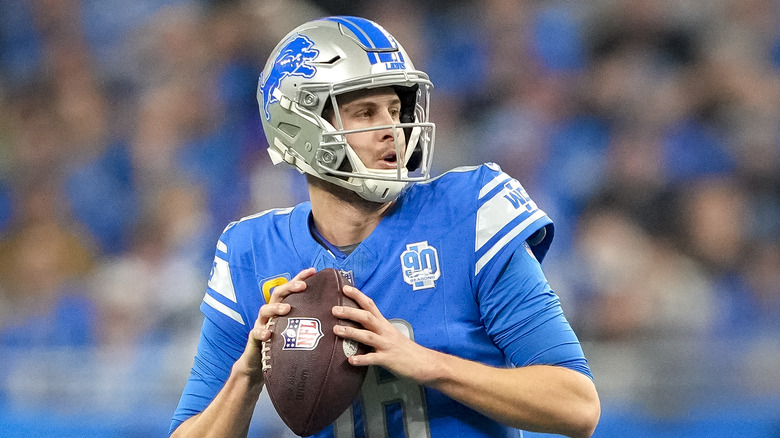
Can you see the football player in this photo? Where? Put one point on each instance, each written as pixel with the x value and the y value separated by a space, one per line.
pixel 467 337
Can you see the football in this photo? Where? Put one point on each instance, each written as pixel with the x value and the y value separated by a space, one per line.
pixel 307 375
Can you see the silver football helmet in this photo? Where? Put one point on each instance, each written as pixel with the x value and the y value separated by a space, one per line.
pixel 309 69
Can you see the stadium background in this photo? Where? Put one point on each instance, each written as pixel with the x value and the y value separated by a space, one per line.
pixel 647 129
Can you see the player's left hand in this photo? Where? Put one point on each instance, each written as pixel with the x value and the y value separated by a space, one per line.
pixel 391 348
pixel 250 361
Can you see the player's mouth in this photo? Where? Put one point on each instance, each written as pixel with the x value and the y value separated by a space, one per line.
pixel 389 160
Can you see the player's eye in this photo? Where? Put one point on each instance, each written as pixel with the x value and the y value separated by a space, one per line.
pixel 365 113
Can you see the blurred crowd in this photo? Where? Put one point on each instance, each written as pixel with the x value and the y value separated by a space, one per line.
pixel 649 130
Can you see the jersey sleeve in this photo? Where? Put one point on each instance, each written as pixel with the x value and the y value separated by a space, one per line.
pixel 229 274
pixel 522 315
pixel 524 318
pixel 505 218
pixel 226 324
pixel 217 352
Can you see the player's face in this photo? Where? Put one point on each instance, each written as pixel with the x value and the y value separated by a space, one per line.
pixel 370 108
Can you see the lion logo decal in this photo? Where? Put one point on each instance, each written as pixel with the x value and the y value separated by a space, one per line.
pixel 293 60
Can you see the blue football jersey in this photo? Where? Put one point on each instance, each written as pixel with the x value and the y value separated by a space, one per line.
pixel 449 266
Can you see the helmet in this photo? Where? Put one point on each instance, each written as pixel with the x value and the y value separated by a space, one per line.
pixel 309 69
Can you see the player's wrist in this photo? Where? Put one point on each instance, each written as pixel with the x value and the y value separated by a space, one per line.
pixel 252 376
pixel 435 369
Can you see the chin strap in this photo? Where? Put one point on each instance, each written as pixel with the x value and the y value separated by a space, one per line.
pixel 382 191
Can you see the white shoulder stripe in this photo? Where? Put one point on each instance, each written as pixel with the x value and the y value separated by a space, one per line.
pixel 221 281
pixel 221 246
pixel 223 309
pixel 492 217
pixel 505 206
pixel 506 239
pixel 493 183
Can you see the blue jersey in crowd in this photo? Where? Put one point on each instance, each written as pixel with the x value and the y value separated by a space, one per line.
pixel 449 265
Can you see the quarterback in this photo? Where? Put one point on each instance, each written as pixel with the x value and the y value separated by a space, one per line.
pixel 468 340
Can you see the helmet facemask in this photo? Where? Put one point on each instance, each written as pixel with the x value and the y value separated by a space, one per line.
pixel 412 140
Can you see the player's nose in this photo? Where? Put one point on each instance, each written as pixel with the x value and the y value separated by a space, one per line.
pixel 386 118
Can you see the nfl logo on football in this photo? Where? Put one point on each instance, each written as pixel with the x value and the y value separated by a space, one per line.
pixel 420 265
pixel 302 334
pixel 349 275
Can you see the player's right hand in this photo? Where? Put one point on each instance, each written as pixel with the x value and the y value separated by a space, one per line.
pixel 390 348
pixel 250 361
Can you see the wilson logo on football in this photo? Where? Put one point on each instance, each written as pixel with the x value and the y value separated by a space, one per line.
pixel 302 334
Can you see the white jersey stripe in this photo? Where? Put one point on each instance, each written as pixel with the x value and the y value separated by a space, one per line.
pixel 501 177
pixel 221 246
pixel 499 210
pixel 223 309
pixel 492 217
pixel 506 239
pixel 221 281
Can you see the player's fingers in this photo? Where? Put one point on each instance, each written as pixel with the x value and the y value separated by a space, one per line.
pixel 362 299
pixel 363 360
pixel 306 273
pixel 280 292
pixel 260 334
pixel 297 284
pixel 273 309
pixel 363 336
pixel 360 316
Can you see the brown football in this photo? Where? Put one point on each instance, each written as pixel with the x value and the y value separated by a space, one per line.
pixel 308 378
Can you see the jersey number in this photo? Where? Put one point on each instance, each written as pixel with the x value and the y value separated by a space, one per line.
pixel 382 390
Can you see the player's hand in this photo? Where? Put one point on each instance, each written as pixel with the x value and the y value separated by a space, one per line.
pixel 392 349
pixel 251 360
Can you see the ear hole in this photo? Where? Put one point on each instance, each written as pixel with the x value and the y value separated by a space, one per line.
pixel 331 60
pixel 290 130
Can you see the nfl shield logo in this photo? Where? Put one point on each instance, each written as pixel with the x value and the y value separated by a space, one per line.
pixel 302 334
pixel 349 275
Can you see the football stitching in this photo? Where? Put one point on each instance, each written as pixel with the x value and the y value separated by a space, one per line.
pixel 265 352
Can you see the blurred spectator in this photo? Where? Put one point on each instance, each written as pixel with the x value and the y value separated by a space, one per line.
pixel 34 135
pixel 44 260
pixel 642 286
pixel 150 293
pixel 714 216
pixel 6 207
pixel 103 197
pixel 20 43
pixel 763 278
